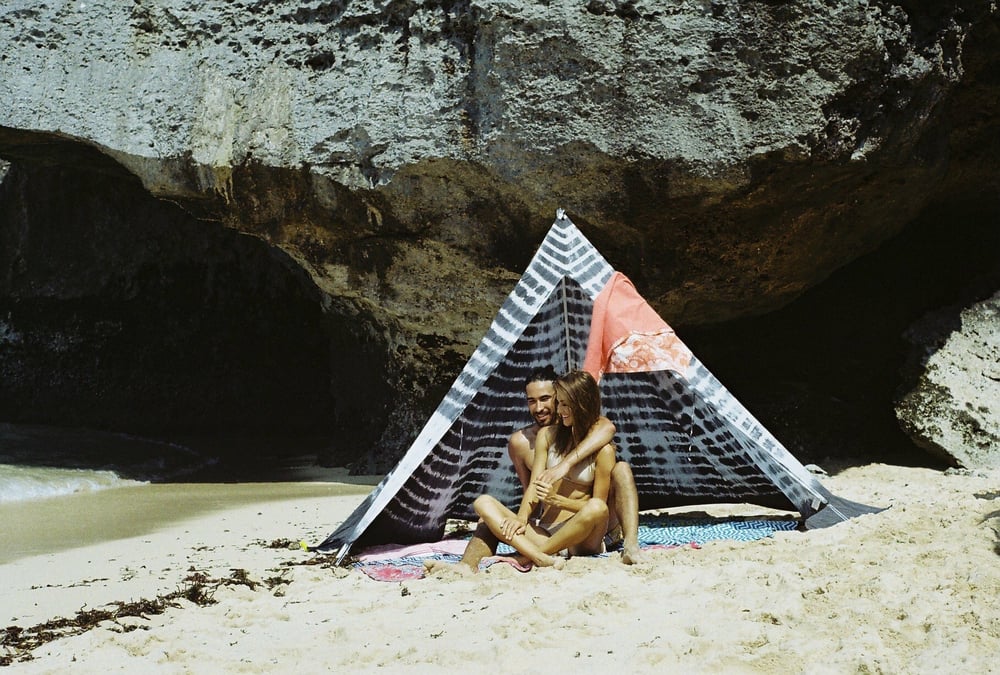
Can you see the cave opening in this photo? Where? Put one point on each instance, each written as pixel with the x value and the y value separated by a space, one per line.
pixel 823 373
pixel 120 312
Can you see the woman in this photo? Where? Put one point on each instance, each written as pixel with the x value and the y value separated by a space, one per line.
pixel 574 511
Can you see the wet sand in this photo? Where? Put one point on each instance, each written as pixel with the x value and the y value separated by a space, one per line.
pixel 52 525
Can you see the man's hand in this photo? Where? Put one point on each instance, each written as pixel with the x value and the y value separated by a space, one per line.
pixel 553 475
pixel 511 527
pixel 547 493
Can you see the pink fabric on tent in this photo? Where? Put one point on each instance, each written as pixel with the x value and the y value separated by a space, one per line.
pixel 628 336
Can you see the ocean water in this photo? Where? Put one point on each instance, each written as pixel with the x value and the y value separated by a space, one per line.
pixel 65 488
pixel 27 483
pixel 39 462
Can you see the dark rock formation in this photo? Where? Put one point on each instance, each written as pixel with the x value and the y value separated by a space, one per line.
pixel 396 163
pixel 825 370
pixel 120 310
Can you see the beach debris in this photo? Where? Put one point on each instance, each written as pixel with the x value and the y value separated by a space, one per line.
pixel 17 642
pixel 282 543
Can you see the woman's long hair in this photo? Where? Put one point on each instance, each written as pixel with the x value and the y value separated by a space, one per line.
pixel 578 390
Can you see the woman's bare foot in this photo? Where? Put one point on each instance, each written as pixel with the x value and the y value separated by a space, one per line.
pixel 545 560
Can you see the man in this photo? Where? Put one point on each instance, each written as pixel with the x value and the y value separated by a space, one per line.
pixel 623 498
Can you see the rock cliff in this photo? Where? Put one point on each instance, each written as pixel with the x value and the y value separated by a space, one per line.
pixel 318 206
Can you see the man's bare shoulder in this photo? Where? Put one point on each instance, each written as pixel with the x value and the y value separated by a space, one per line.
pixel 524 437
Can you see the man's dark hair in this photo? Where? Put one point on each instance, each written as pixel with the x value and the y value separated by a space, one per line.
pixel 545 374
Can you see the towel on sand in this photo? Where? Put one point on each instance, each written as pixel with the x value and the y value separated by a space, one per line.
pixel 392 562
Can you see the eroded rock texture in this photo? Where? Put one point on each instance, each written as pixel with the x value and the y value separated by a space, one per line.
pixel 395 164
pixel 953 409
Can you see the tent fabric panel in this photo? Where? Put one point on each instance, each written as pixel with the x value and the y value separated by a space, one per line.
pixel 386 490
pixel 794 480
pixel 470 457
pixel 837 510
pixel 654 413
pixel 627 335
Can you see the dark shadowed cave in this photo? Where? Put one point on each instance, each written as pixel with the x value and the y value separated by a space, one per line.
pixel 823 373
pixel 121 312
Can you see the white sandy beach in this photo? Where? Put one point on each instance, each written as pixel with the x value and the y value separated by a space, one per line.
pixel 909 590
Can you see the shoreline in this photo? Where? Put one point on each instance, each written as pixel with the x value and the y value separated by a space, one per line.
pixel 141 542
pixel 44 526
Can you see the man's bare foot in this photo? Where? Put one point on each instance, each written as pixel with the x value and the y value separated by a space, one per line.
pixel 632 554
pixel 442 568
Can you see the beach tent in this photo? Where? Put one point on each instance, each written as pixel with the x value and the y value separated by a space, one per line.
pixel 687 439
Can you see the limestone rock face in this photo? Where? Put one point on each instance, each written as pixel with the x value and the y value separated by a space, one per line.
pixel 953 410
pixel 762 136
pixel 406 157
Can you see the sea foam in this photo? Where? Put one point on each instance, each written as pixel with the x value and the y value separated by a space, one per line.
pixel 26 483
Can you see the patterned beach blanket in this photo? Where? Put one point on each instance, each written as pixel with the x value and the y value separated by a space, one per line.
pixel 391 562
pixel 666 530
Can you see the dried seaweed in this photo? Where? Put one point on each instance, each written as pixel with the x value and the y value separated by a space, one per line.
pixel 324 561
pixel 17 642
pixel 283 543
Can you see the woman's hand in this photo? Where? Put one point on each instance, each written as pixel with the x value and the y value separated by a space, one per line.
pixel 511 527
pixel 543 489
pixel 548 495
pixel 557 500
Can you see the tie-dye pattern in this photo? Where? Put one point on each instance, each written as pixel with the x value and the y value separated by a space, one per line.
pixel 686 437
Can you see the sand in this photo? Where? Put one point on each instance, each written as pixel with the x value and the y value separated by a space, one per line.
pixel 911 590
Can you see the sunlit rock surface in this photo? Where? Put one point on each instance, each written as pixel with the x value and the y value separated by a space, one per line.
pixel 953 409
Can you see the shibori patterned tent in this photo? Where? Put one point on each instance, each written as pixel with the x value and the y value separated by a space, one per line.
pixel 687 439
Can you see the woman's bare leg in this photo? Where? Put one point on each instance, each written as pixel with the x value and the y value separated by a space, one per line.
pixel 494 514
pixel 584 531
